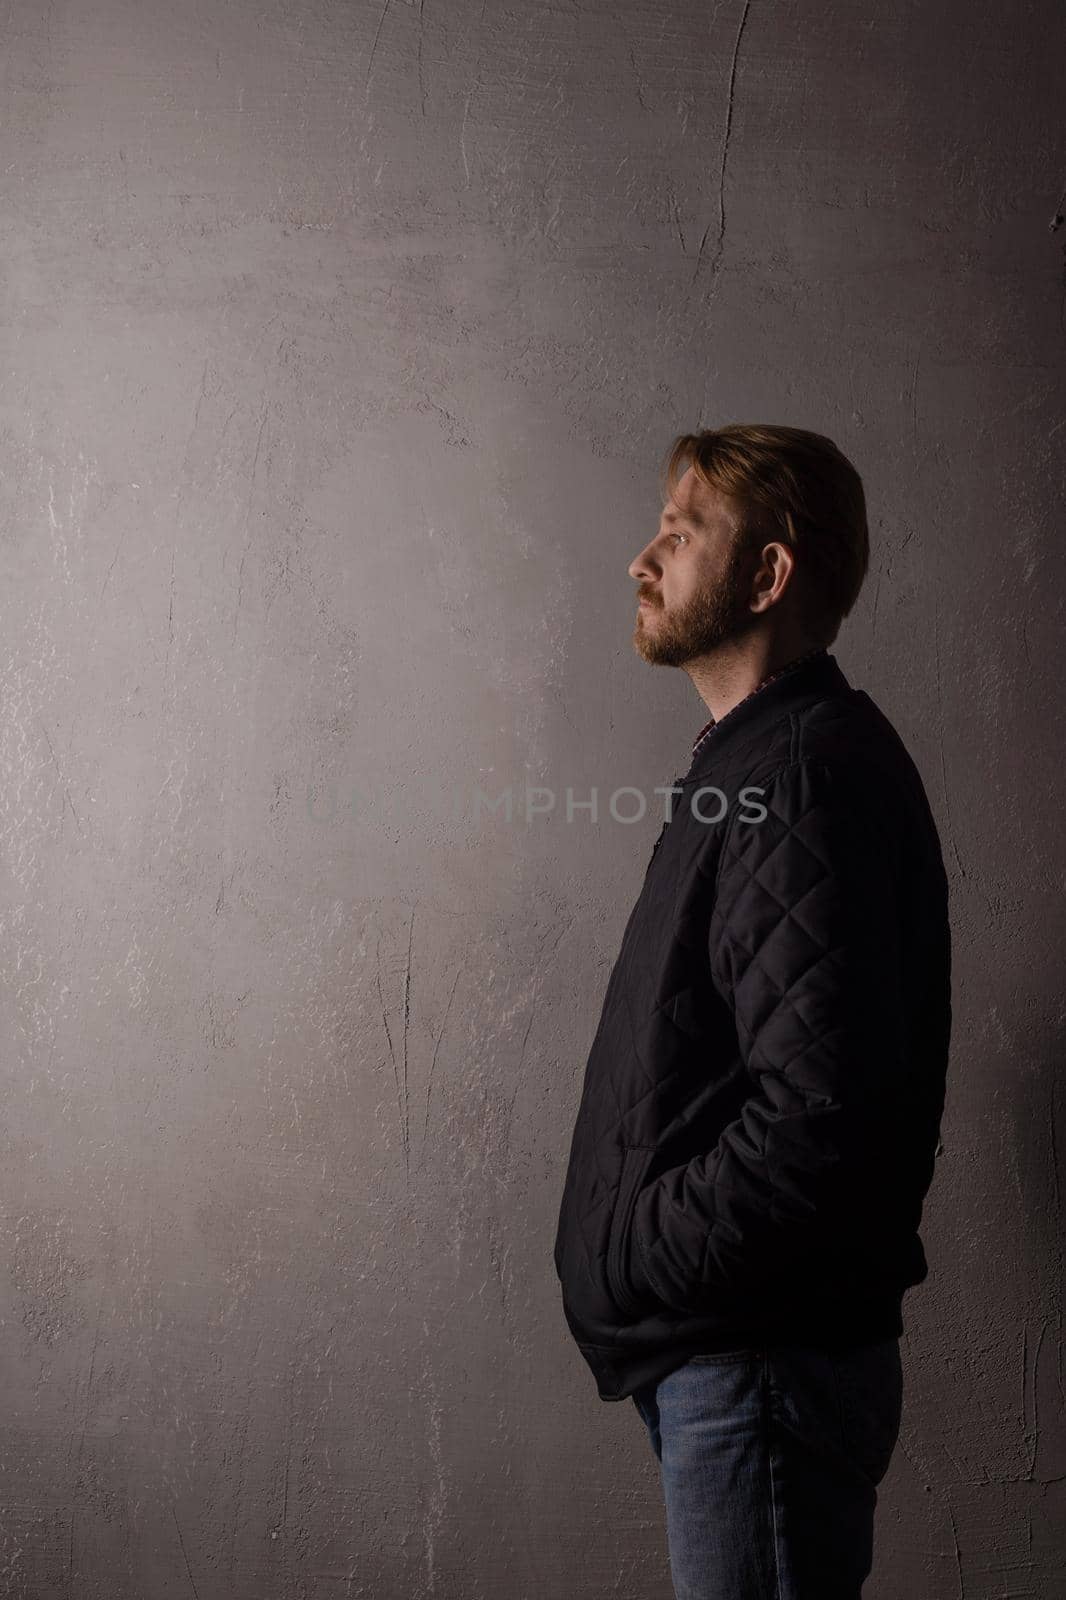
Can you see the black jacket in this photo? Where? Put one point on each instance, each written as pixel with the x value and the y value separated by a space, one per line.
pixel 761 1106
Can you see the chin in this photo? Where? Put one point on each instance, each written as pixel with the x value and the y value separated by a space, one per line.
pixel 649 651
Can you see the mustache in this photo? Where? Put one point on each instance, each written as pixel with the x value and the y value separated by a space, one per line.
pixel 650 596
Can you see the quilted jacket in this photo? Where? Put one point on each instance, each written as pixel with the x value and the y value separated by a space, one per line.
pixel 761 1106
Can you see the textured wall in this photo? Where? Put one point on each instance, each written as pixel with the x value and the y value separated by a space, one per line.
pixel 341 343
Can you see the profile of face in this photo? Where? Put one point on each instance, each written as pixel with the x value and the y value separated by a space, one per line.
pixel 695 578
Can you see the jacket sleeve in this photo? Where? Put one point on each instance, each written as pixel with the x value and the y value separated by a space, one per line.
pixel 805 951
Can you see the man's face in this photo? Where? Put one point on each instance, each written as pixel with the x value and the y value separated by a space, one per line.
pixel 694 579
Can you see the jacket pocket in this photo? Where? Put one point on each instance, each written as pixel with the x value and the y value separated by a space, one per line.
pixel 635 1162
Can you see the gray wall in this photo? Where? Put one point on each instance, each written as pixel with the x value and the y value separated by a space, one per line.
pixel 341 343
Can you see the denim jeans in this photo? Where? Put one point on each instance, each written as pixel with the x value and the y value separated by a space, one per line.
pixel 770 1462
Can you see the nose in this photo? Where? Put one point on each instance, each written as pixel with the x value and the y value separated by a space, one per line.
pixel 645 565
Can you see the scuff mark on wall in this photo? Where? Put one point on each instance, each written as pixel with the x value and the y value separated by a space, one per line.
pixel 719 244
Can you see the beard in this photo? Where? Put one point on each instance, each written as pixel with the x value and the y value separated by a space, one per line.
pixel 712 616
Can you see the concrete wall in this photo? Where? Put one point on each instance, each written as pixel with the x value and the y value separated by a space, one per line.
pixel 341 343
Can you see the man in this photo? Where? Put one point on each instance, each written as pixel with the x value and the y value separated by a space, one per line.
pixel 762 1102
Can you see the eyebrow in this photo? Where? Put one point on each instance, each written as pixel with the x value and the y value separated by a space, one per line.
pixel 691 518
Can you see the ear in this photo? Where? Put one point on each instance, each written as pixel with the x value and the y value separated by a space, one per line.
pixel 773 576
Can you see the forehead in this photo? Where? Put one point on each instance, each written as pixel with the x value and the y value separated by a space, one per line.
pixel 698 503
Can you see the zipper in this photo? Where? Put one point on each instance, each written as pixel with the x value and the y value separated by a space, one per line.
pixel 662 831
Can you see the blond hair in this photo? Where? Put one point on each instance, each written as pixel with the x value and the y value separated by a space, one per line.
pixel 796 487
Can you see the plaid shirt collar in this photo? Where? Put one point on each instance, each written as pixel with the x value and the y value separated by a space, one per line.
pixel 708 727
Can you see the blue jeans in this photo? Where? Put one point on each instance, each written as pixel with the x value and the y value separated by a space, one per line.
pixel 770 1463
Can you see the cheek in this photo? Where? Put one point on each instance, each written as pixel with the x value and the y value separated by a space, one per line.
pixel 686 581
pixel 705 577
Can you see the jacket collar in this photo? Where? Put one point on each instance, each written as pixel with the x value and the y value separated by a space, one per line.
pixel 810 679
pixel 788 666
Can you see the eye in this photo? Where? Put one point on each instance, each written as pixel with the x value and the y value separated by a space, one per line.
pixel 681 537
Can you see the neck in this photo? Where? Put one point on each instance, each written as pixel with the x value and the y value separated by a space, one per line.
pixel 727 675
